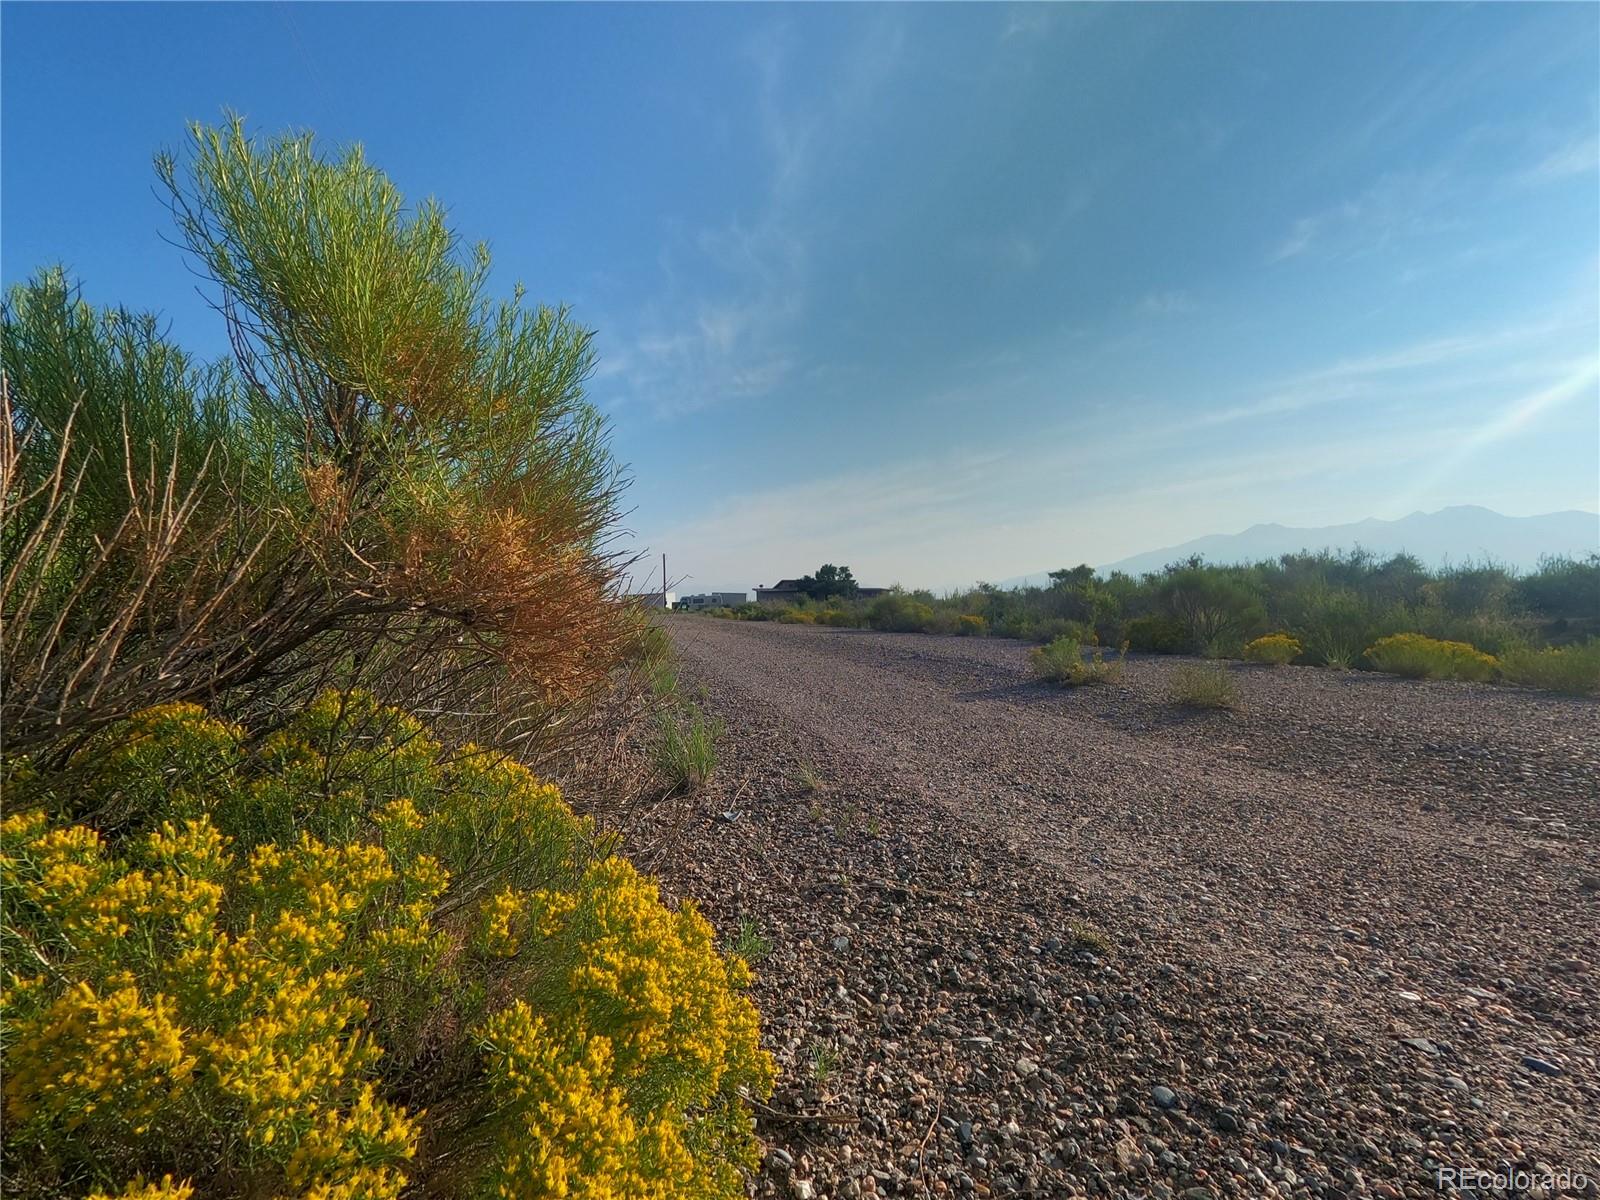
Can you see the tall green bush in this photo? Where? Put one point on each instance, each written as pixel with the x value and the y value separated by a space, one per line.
pixel 395 471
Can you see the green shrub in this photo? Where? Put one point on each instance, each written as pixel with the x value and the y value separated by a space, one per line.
pixel 397 470
pixel 796 616
pixel 1573 670
pixel 1275 649
pixel 971 625
pixel 1061 662
pixel 895 612
pixel 1054 628
pixel 288 948
pixel 838 618
pixel 1157 634
pixel 1417 656
pixel 1204 685
pixel 686 748
pixel 1218 607
pixel 1336 625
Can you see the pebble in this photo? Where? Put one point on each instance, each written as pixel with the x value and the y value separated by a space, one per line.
pixel 1541 1065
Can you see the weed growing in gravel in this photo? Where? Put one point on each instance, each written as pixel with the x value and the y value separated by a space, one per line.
pixel 663 678
pixel 1062 663
pixel 807 780
pixel 686 748
pixel 824 1062
pixel 748 943
pixel 1574 670
pixel 1417 656
pixel 1088 936
pixel 1207 686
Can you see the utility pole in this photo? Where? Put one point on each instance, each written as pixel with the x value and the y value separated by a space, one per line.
pixel 664 603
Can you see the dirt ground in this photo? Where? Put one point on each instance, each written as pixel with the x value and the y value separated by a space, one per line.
pixel 1038 942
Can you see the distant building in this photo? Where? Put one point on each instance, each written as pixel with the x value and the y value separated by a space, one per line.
pixel 714 600
pixel 655 599
pixel 787 591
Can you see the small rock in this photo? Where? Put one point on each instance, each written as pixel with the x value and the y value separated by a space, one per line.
pixel 1164 1097
pixel 1543 1066
pixel 1026 1066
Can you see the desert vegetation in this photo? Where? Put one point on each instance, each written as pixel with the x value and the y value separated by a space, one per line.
pixel 1204 685
pixel 290 908
pixel 1330 610
pixel 1062 663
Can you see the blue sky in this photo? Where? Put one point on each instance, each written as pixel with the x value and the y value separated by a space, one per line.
pixel 942 292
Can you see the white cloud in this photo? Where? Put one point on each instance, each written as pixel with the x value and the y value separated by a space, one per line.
pixel 1504 421
pixel 1167 303
pixel 1400 205
pixel 724 327
pixel 1581 156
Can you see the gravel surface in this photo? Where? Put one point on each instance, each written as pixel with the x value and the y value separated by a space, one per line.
pixel 1040 942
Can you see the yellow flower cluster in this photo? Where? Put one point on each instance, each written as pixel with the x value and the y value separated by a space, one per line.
pixel 573 1132
pixel 1275 649
pixel 166 1189
pixel 172 1022
pixel 238 977
pixel 1418 656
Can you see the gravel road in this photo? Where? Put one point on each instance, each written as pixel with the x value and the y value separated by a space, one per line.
pixel 1040 942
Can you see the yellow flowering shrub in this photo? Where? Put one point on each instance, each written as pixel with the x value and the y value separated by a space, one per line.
pixel 1275 649
pixel 1418 656
pixel 286 966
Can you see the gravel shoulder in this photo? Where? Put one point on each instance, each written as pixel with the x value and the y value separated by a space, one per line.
pixel 1034 942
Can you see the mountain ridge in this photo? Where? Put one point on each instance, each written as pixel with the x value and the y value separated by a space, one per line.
pixel 1457 533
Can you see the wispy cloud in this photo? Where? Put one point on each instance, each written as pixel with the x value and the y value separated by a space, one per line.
pixel 1026 21
pixel 1398 206
pixel 1414 369
pixel 1580 156
pixel 1505 421
pixel 1167 303
pixel 999 512
pixel 724 326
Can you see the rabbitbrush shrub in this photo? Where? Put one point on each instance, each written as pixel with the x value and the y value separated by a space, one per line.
pixel 334 961
pixel 1061 662
pixel 897 613
pixel 1417 656
pixel 1275 649
pixel 1574 670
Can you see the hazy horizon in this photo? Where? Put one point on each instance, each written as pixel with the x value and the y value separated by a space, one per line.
pixel 946 293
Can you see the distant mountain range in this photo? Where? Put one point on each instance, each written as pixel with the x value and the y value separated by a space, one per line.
pixel 1454 534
